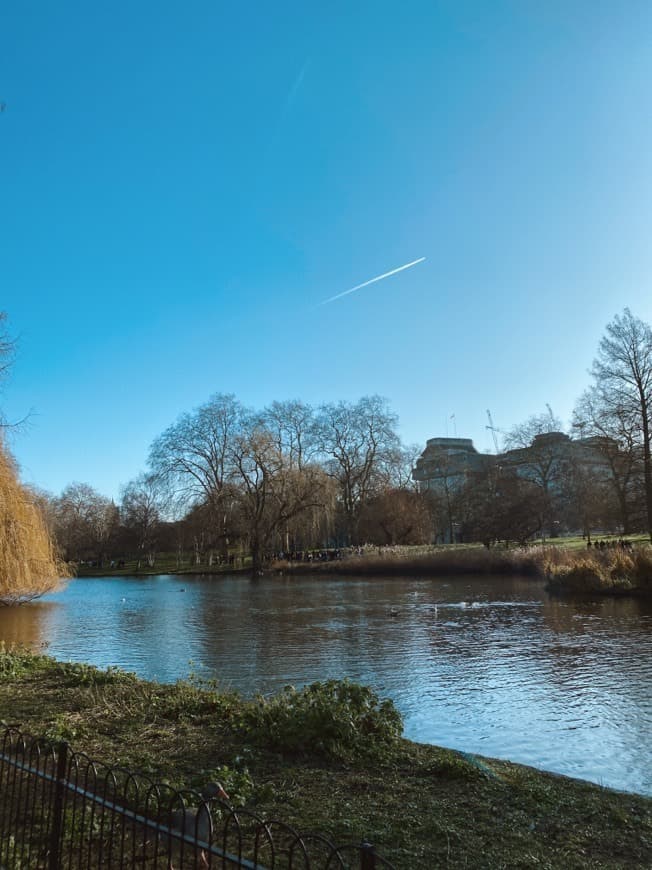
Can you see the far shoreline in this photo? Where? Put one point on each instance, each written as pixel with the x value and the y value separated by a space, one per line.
pixel 612 572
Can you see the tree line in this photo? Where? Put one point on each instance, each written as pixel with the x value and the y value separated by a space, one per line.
pixel 285 479
pixel 290 477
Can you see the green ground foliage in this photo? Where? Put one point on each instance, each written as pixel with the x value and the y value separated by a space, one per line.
pixel 329 757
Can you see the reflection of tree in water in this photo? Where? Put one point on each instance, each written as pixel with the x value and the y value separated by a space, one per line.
pixel 24 626
pixel 260 639
pixel 486 665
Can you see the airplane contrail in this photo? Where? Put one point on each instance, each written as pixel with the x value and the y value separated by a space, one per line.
pixel 373 280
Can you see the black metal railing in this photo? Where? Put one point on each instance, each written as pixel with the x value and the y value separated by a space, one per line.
pixel 62 809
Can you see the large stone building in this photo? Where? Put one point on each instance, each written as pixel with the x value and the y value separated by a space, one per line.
pixel 449 462
pixel 548 457
pixel 553 461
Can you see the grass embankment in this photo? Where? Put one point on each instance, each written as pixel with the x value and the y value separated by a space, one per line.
pixel 329 758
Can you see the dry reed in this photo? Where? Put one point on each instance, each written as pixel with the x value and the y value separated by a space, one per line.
pixel 440 563
pixel 612 570
pixel 29 563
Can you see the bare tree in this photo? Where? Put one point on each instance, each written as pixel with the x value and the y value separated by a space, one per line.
pixel 622 374
pixel 357 442
pixel 538 451
pixel 7 356
pixel 396 516
pixel 85 520
pixel 292 426
pixel 7 347
pixel 274 490
pixel 140 512
pixel 447 493
pixel 501 506
pixel 193 458
pixel 613 434
pixel 401 464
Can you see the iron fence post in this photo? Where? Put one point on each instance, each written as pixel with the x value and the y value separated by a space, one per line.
pixel 57 810
pixel 367 856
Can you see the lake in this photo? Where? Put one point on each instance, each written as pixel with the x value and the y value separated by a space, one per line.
pixel 487 665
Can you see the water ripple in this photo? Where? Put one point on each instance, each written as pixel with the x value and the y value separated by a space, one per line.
pixel 491 666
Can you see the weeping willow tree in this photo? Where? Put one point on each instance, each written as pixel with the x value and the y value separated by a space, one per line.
pixel 29 564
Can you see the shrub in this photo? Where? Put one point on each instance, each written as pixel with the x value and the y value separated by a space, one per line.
pixel 336 718
pixel 83 674
pixel 16 661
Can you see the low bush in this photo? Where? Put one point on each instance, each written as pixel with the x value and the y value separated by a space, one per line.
pixel 16 661
pixel 335 718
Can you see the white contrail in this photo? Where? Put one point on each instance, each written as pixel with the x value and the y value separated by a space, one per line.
pixel 373 280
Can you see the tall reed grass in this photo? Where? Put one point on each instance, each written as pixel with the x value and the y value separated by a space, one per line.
pixel 613 570
pixel 445 562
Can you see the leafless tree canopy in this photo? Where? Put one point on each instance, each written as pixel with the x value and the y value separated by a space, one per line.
pixel 622 375
pixel 523 434
pixel 193 457
pixel 291 477
pixel 359 445
pixel 84 520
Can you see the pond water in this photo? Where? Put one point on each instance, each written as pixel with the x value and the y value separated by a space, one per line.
pixel 487 665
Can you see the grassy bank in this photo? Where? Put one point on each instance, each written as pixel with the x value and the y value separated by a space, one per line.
pixel 329 758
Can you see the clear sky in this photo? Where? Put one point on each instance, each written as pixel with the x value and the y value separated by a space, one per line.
pixel 182 185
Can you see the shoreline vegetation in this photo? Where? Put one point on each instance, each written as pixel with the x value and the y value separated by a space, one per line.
pixel 330 758
pixel 616 568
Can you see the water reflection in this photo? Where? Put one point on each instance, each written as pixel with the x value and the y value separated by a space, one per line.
pixel 22 626
pixel 487 665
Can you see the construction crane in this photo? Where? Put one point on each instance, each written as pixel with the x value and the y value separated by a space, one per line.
pixel 493 430
pixel 553 421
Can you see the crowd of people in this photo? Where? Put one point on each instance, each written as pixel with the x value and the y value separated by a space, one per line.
pixel 609 545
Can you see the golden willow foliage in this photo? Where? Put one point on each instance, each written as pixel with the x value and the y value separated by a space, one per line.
pixel 29 564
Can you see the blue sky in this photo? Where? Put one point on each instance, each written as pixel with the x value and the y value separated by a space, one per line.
pixel 184 184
